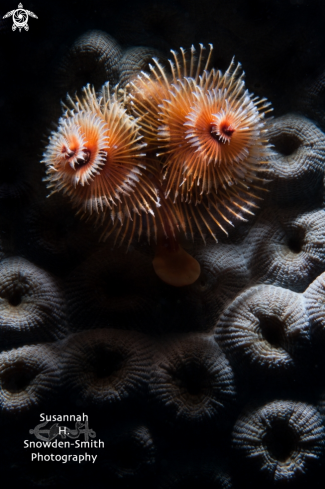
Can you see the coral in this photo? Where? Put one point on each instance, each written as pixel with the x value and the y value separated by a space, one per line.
pixel 285 247
pixel 164 372
pixel 192 381
pixel 32 305
pixel 321 405
pixel 29 378
pixel 296 166
pixel 283 438
pixel 106 367
pixel 315 305
pixel 265 329
pixel 311 98
pixel 133 61
pixel 93 58
pixel 224 275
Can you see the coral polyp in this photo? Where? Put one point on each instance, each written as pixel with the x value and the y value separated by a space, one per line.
pixel 96 157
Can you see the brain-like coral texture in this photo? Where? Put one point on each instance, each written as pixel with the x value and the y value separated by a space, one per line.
pixel 296 168
pixel 286 247
pixel 133 61
pixel 265 329
pixel 311 99
pixel 192 381
pixel 93 58
pixel 315 305
pixel 106 367
pixel 283 438
pixel 32 305
pixel 224 275
pixel 29 378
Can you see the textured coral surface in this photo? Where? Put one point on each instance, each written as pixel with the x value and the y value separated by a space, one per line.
pixel 219 384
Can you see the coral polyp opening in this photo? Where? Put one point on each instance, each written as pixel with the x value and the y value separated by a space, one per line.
pixel 281 440
pixel 15 298
pixel 17 378
pixel 193 379
pixel 106 363
pixel 272 330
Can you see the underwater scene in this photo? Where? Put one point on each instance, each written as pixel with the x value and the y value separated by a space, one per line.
pixel 162 244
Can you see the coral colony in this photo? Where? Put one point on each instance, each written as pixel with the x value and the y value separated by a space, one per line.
pixel 198 371
pixel 172 153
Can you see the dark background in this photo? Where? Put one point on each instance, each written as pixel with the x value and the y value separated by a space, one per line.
pixel 280 43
